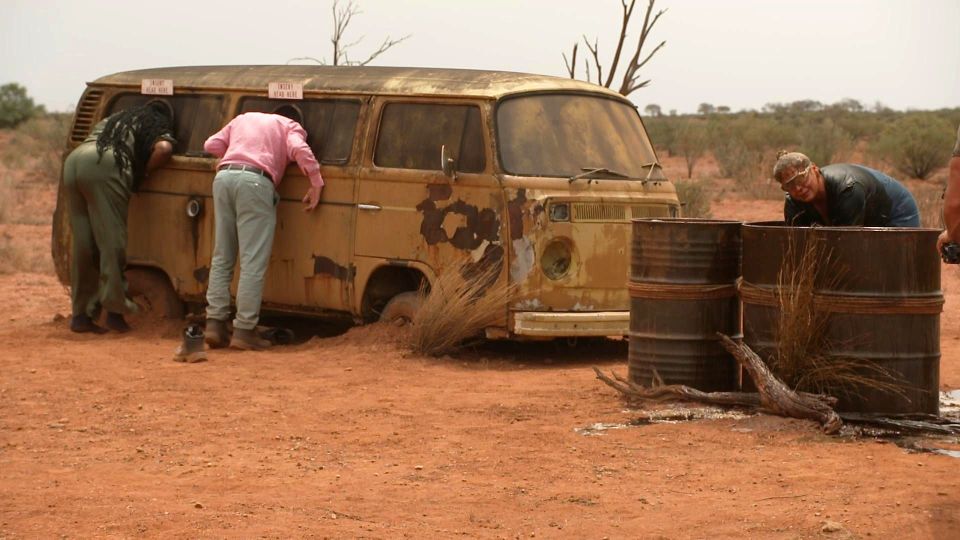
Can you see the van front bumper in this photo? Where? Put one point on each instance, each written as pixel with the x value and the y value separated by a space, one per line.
pixel 597 323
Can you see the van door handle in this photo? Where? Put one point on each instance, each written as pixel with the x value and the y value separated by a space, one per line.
pixel 370 207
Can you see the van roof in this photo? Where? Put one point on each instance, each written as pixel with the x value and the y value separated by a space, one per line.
pixel 358 79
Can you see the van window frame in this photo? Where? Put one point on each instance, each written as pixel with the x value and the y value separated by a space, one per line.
pixel 485 136
pixel 495 128
pixel 224 101
pixel 355 148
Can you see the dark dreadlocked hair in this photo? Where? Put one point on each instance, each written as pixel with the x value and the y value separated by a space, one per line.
pixel 145 124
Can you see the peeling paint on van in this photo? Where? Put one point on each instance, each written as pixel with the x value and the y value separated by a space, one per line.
pixel 523 260
pixel 478 253
pixel 461 224
pixel 530 304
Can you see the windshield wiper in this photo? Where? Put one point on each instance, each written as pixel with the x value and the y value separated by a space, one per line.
pixel 589 171
pixel 650 172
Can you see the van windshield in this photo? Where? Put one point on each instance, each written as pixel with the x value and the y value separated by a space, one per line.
pixel 566 135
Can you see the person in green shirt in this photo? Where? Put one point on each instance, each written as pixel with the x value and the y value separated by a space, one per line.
pixel 98 178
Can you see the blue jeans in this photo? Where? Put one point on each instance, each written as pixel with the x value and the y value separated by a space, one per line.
pixel 244 206
pixel 903 210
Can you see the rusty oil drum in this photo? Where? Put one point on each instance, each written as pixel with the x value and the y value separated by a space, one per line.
pixel 683 275
pixel 883 305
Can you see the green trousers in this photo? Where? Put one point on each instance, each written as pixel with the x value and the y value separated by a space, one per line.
pixel 98 195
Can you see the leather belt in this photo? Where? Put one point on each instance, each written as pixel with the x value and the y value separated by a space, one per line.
pixel 247 168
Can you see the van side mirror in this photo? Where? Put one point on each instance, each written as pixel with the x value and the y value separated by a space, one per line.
pixel 448 163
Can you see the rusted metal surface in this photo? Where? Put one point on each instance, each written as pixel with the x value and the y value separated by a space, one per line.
pixel 358 79
pixel 883 304
pixel 682 287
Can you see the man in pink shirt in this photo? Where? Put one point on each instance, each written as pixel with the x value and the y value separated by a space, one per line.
pixel 254 150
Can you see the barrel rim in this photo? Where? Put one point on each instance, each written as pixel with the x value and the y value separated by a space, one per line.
pixel 881 230
pixel 698 221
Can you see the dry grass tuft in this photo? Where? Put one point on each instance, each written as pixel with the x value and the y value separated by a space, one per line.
pixel 929 197
pixel 804 360
pixel 465 298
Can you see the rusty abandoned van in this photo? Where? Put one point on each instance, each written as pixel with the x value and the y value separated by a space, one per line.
pixel 423 167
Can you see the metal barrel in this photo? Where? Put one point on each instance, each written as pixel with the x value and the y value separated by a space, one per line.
pixel 764 246
pixel 881 298
pixel 683 275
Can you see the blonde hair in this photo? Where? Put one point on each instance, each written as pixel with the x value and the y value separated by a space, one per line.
pixel 789 161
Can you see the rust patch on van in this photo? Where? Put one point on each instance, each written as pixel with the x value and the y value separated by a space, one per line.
pixel 515 212
pixel 439 192
pixel 201 274
pixel 327 266
pixel 480 224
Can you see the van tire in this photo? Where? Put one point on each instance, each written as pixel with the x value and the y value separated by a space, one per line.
pixel 153 292
pixel 401 309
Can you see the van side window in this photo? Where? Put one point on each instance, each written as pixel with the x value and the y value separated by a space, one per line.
pixel 411 135
pixel 196 117
pixel 331 124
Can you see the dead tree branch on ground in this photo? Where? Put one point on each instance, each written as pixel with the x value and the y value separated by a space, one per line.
pixel 774 396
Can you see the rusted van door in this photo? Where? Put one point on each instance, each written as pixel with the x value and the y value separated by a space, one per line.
pixel 311 266
pixel 170 220
pixel 409 211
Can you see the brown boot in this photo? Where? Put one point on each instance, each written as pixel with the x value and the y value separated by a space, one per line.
pixel 248 340
pixel 216 334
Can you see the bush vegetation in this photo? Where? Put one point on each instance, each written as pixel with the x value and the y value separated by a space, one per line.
pixel 36 146
pixel 16 106
pixel 694 199
pixel 911 144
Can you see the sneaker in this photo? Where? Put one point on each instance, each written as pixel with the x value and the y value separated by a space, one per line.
pixel 216 334
pixel 248 340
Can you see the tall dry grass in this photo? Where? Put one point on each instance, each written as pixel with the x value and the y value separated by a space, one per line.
pixel 465 299
pixel 929 197
pixel 804 358
pixel 36 147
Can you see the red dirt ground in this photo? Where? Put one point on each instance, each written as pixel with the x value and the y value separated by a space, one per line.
pixel 352 437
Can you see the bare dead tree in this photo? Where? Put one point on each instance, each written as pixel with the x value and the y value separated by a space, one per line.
pixel 631 75
pixel 342 16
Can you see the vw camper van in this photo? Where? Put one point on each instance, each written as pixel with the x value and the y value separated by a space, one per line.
pixel 536 175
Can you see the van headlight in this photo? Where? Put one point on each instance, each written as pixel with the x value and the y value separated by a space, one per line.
pixel 556 259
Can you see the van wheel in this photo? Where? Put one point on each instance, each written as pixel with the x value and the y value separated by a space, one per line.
pixel 401 309
pixel 152 291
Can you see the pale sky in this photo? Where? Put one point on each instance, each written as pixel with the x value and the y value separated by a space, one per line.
pixel 738 53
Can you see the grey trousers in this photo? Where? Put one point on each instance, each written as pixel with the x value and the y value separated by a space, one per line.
pixel 244 205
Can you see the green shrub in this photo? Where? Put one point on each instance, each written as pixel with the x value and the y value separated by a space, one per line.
pixel 823 141
pixel 691 142
pixel 745 146
pixel 694 198
pixel 16 106
pixel 662 133
pixel 916 144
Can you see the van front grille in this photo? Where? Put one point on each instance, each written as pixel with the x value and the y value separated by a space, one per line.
pixel 651 211
pixel 83 121
pixel 599 212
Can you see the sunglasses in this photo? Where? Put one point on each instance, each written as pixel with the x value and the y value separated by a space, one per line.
pixel 797 179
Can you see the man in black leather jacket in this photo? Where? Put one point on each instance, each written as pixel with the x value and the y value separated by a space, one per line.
pixel 842 195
